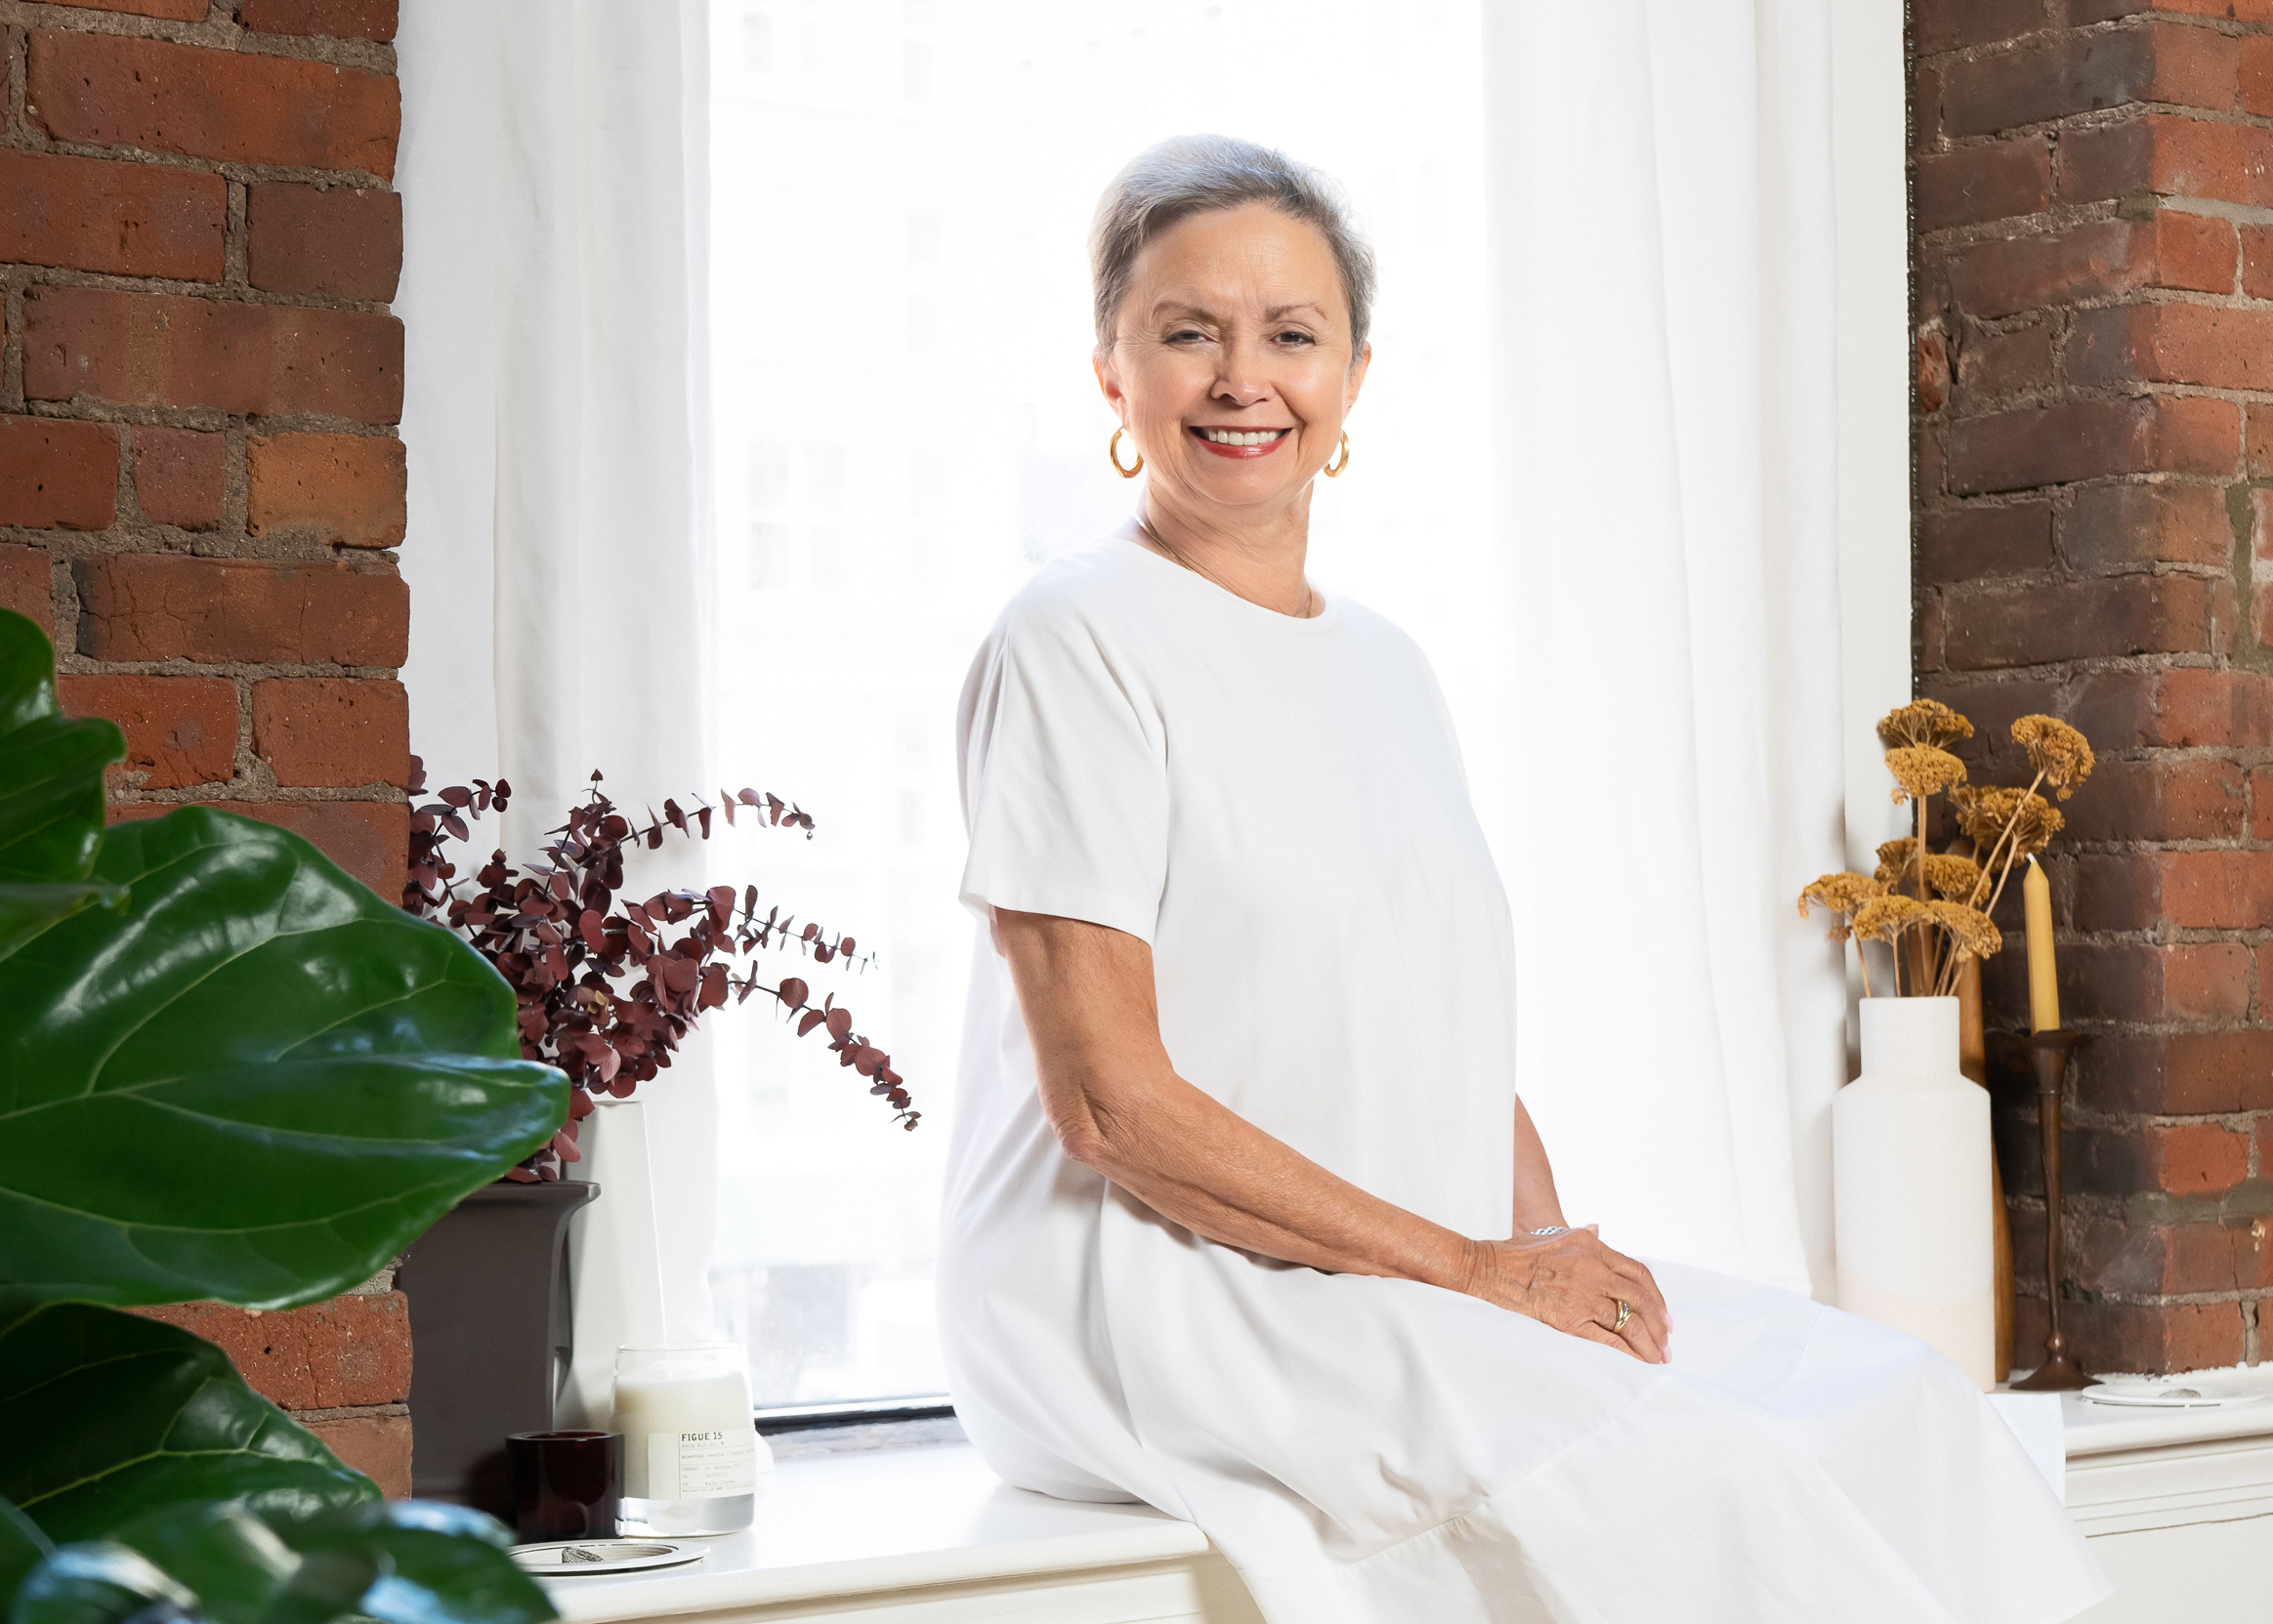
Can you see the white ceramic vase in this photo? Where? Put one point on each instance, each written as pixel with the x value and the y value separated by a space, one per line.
pixel 1910 1167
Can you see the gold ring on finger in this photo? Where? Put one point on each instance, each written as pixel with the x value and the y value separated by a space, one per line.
pixel 1625 1312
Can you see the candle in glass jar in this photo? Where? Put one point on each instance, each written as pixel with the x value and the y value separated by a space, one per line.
pixel 687 1439
pixel 2044 978
pixel 692 1456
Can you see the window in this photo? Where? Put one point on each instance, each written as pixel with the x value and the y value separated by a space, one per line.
pixel 757 42
pixel 900 313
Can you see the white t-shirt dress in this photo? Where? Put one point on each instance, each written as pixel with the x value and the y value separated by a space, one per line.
pixel 1277 807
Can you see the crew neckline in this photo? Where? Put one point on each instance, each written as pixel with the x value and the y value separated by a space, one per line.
pixel 1328 603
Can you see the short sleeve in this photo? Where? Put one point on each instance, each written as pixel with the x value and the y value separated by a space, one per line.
pixel 1065 778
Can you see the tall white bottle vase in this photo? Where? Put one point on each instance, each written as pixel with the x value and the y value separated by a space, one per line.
pixel 1909 1166
pixel 616 1290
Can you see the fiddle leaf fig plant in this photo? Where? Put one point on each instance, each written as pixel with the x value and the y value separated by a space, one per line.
pixel 255 1082
pixel 88 1451
pixel 227 1072
pixel 51 767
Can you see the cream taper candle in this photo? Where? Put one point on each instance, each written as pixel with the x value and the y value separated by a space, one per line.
pixel 2043 975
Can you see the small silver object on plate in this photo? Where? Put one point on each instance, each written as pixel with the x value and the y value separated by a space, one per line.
pixel 565 1558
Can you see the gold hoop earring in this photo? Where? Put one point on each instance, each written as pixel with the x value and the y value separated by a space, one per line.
pixel 1333 470
pixel 1112 456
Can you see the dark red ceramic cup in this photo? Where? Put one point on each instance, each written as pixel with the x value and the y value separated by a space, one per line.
pixel 565 1485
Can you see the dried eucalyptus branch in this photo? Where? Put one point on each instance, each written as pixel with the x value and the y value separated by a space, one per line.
pixel 607 990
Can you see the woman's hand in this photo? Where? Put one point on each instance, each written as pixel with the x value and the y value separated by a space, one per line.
pixel 1575 1284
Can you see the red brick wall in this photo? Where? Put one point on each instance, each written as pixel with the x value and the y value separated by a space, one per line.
pixel 342 1368
pixel 2093 230
pixel 200 483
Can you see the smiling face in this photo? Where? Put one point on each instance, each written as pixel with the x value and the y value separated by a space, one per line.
pixel 1231 362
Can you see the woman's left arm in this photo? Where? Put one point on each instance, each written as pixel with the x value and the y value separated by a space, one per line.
pixel 1537 1206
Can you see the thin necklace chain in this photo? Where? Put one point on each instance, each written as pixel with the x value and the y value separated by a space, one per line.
pixel 1300 612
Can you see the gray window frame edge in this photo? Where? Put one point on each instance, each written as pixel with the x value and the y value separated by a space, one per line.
pixel 775 1420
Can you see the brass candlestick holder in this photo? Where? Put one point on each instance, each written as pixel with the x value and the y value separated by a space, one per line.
pixel 2048 1053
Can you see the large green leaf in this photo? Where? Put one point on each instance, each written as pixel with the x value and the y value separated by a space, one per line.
pixel 218 1549
pixel 101 1582
pixel 22 1547
pixel 109 1416
pixel 51 770
pixel 434 1564
pixel 27 909
pixel 258 1083
pixel 407 1563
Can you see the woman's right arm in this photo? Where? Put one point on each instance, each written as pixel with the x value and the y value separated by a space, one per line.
pixel 1119 1106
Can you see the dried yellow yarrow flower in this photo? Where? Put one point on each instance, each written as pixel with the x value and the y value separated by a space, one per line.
pixel 1969 928
pixel 1953 878
pixel 1922 770
pixel 1984 812
pixel 2056 750
pixel 1926 721
pixel 1842 895
pixel 1885 918
pixel 1945 876
pixel 1975 807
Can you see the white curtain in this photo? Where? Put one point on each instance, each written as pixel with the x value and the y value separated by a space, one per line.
pixel 1664 268
pixel 553 167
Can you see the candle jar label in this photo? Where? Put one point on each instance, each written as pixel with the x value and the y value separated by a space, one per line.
pixel 701 1465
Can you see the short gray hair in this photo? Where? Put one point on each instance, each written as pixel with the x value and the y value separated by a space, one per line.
pixel 1188 175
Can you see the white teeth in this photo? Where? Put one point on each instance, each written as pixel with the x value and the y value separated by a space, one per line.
pixel 1232 437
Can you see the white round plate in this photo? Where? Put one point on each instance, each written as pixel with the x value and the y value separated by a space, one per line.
pixel 563 1558
pixel 2170 1395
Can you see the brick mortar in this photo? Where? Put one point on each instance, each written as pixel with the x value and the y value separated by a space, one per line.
pixel 2096 665
pixel 143 539
pixel 2060 574
pixel 226 292
pixel 235 248
pixel 39 144
pixel 209 419
pixel 2092 119
pixel 2069 395
pixel 18 123
pixel 263 790
pixel 2230 27
pixel 78 665
pixel 2058 319
pixel 2058 216
pixel 12 354
pixel 348 1412
pixel 2044 222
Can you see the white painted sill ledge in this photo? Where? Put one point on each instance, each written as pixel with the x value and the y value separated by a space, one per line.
pixel 928 1533
pixel 2177 1503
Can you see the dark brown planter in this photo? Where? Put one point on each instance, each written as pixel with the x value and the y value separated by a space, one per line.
pixel 491 1328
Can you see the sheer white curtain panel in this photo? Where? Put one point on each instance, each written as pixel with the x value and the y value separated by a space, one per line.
pixel 1662 268
pixel 553 168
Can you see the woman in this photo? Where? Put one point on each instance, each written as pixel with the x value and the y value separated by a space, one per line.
pixel 1244 1219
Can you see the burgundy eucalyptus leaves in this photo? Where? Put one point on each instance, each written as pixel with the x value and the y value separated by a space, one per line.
pixel 606 987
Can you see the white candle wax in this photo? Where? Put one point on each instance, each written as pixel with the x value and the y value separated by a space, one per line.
pixel 686 1439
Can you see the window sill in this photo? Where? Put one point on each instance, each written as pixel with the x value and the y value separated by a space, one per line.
pixel 2104 1429
pixel 924 1532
